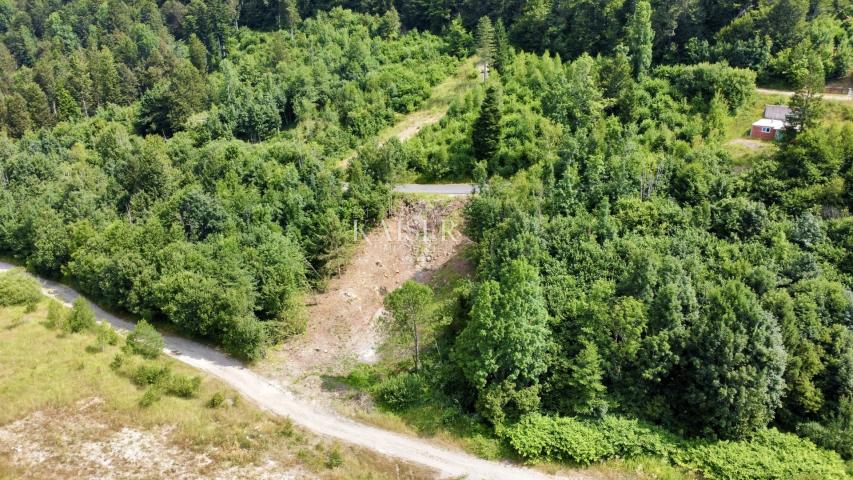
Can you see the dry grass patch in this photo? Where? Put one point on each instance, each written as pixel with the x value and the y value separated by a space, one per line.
pixel 67 414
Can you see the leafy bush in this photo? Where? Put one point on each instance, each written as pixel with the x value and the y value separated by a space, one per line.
pixel 334 459
pixel 151 396
pixel 182 385
pixel 81 318
pixel 769 455
pixel 55 314
pixel 216 400
pixel 150 374
pixel 18 288
pixel 145 340
pixel 566 439
pixel 401 391
pixel 105 335
pixel 246 339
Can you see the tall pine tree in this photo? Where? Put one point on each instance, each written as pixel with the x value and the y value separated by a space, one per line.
pixel 486 47
pixel 503 49
pixel 486 134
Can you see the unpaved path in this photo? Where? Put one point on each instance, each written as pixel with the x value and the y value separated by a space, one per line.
pixel 264 393
pixel 787 93
pixel 451 189
pixel 432 111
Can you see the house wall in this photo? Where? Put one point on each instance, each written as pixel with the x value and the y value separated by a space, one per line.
pixel 757 133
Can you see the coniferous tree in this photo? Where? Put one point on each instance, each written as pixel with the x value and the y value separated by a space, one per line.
pixel 734 365
pixel 290 11
pixel 460 43
pixel 389 26
pixel 640 37
pixel 586 390
pixel 486 133
pixel 503 49
pixel 486 41
pixel 198 53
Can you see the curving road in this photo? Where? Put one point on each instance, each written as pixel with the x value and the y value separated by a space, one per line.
pixel 271 397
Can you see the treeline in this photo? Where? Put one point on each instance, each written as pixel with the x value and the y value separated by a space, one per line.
pixel 195 224
pixel 623 268
pixel 345 74
pixel 772 38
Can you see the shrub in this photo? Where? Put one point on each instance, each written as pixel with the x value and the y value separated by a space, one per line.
pixel 150 374
pixel 81 317
pixel 106 335
pixel 216 400
pixel 18 288
pixel 246 339
pixel 334 459
pixel 631 439
pixel 151 395
pixel 145 340
pixel 401 391
pixel 117 362
pixel 183 386
pixel 55 314
pixel 362 377
pixel 567 439
pixel 769 454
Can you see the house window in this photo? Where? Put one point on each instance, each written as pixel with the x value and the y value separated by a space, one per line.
pixel 765 129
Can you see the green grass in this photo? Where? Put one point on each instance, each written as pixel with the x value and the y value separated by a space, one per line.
pixel 45 370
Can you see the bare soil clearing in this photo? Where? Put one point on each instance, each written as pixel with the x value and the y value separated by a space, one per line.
pixel 344 321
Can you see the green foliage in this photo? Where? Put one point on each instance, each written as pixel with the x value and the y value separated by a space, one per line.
pixel 18 288
pixel 705 80
pixel 81 317
pixel 486 131
pixel 769 454
pixel 334 459
pixel 739 391
pixel 150 374
pixel 486 45
pixel 401 391
pixel 640 37
pixel 55 314
pixel 145 340
pixel 105 336
pixel 193 225
pixel 216 400
pixel 150 397
pixel 504 347
pixel 183 386
pixel 409 306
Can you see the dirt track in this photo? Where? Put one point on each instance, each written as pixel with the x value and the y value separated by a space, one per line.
pixel 265 394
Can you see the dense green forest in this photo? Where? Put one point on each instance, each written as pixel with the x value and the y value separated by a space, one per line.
pixel 165 207
pixel 623 270
pixel 633 294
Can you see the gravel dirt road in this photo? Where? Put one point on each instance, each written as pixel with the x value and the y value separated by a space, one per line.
pixel 260 390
